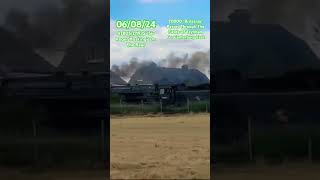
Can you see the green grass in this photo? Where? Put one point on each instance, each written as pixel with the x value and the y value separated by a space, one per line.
pixel 200 106
pixel 126 108
pixel 114 98
pixel 280 145
pixel 51 152
pixel 274 144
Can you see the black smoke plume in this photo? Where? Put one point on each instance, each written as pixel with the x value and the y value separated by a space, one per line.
pixel 290 13
pixel 294 15
pixel 198 60
pixel 126 70
pixel 53 25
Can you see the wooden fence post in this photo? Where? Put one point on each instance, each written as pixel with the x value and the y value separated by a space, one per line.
pixel 206 107
pixel 142 105
pixel 35 145
pixel 121 109
pixel 102 140
pixel 250 138
pixel 310 149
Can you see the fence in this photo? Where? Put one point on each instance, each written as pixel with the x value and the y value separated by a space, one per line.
pixel 272 144
pixel 256 135
pixel 159 107
pixel 56 149
pixel 28 139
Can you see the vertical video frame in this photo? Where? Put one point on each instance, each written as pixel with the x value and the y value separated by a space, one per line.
pixel 160 89
pixel 54 80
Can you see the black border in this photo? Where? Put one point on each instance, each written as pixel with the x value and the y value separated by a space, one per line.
pixel 212 90
pixel 107 59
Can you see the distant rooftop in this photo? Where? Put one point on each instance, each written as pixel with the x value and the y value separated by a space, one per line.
pixel 153 74
pixel 258 50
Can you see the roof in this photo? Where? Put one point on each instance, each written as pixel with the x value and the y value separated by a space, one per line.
pixel 259 50
pixel 17 55
pixel 153 74
pixel 91 38
pixel 115 79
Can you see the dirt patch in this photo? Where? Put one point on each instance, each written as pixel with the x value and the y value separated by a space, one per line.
pixel 160 147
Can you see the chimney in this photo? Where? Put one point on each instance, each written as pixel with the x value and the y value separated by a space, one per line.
pixel 240 16
pixel 185 67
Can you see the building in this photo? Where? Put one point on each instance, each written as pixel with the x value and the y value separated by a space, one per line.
pixel 258 57
pixel 257 70
pixel 87 53
pixel 115 79
pixel 153 74
pixel 17 56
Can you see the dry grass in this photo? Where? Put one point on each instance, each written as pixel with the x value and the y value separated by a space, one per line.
pixel 160 147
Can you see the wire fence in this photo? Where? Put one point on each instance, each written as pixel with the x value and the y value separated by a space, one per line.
pixel 45 148
pixel 29 139
pixel 144 107
pixel 272 144
pixel 272 127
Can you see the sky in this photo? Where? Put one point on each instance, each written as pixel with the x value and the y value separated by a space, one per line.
pixel 161 11
pixel 27 6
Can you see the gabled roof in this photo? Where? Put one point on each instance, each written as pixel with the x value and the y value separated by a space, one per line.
pixel 259 50
pixel 116 79
pixel 18 56
pixel 76 57
pixel 152 74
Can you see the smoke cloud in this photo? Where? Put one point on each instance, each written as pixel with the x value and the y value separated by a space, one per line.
pixel 126 70
pixel 198 60
pixel 54 24
pixel 300 17
pixel 293 14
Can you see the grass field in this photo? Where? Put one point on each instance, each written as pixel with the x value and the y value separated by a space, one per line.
pixel 127 108
pixel 160 147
